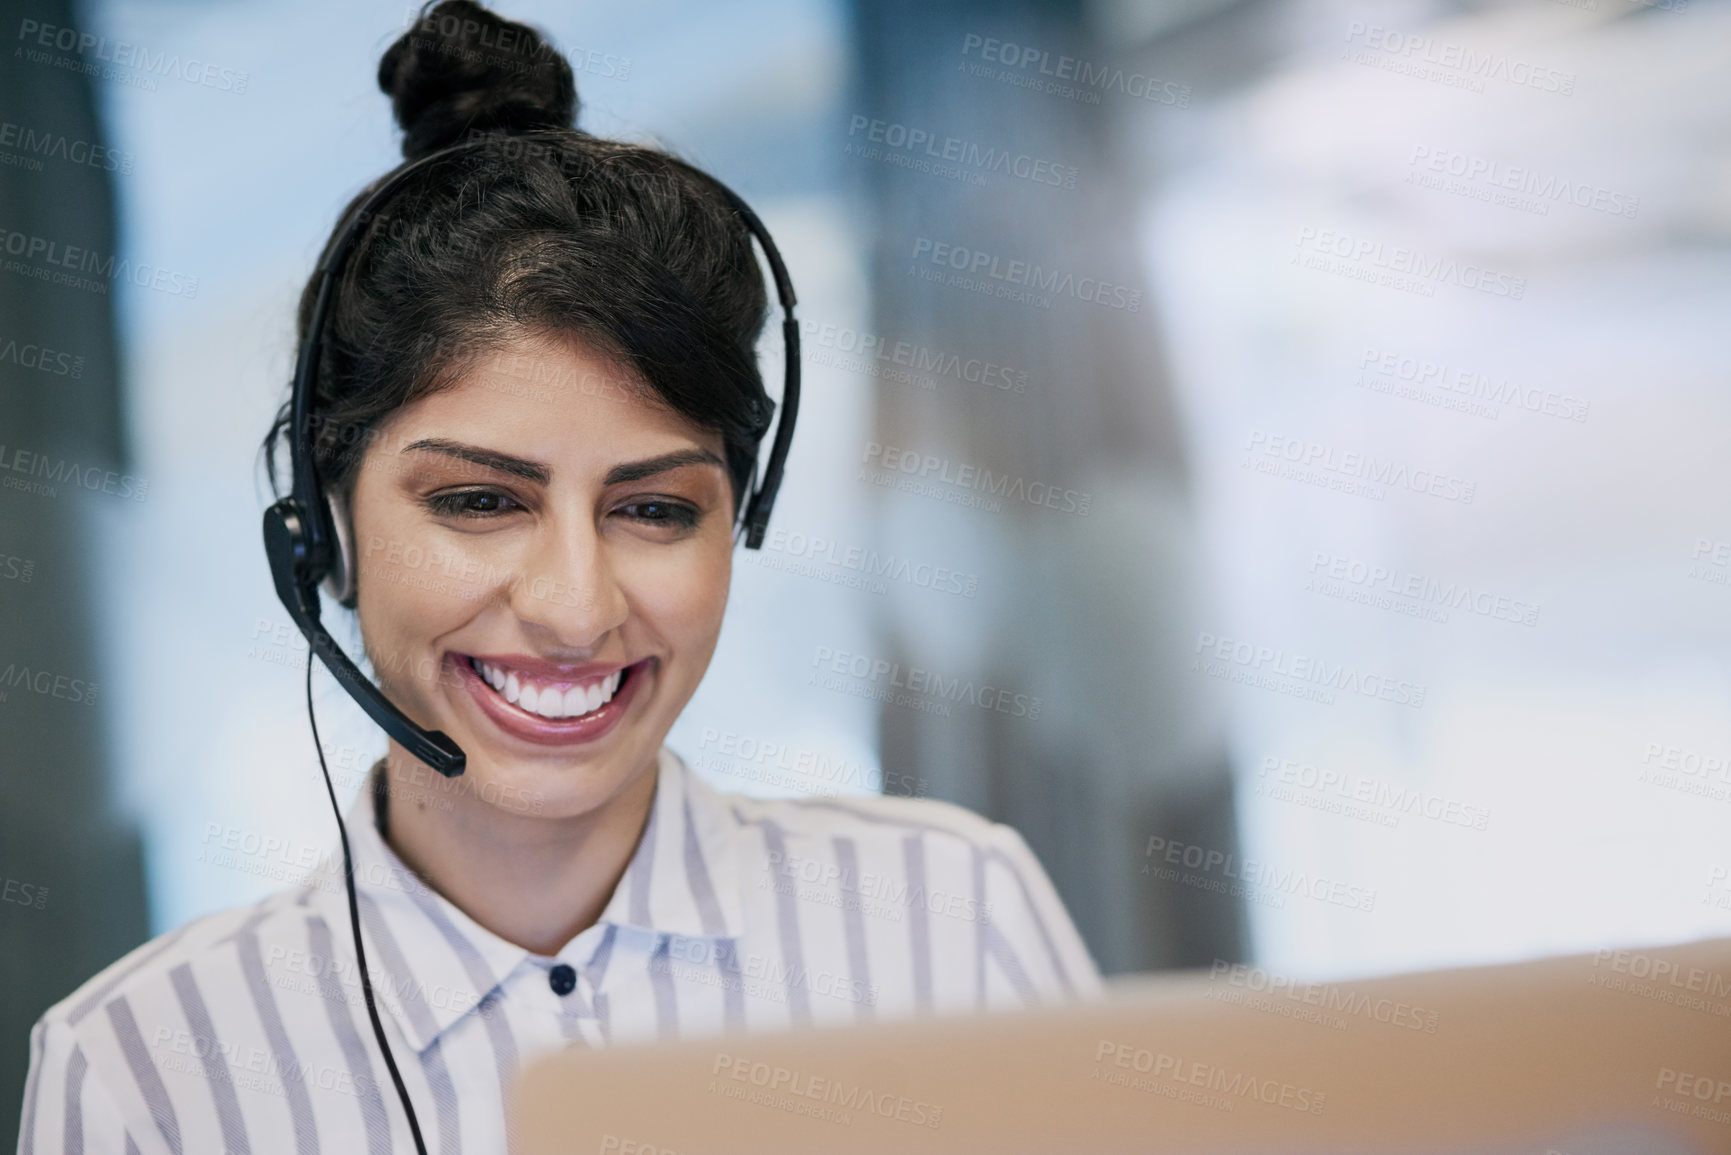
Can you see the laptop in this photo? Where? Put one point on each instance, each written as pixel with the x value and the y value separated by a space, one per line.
pixel 1618 1052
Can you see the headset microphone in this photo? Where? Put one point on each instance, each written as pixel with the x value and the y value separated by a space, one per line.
pixel 307 545
pixel 285 544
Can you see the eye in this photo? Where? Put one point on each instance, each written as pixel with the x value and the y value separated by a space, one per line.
pixel 673 514
pixel 471 503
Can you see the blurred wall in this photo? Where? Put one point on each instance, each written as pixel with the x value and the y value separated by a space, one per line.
pixel 1002 221
pixel 71 882
pixel 1444 284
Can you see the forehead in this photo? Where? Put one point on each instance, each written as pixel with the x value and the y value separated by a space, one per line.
pixel 558 400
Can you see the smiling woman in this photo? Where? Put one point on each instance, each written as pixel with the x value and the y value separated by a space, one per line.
pixel 536 415
pixel 602 531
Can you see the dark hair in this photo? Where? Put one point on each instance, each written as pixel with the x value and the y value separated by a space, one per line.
pixel 553 232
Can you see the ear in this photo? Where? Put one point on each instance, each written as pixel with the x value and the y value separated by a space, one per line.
pixel 340 582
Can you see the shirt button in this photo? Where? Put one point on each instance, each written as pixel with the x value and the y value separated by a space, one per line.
pixel 562 979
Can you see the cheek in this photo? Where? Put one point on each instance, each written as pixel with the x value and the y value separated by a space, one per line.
pixel 404 597
pixel 683 599
pixel 396 617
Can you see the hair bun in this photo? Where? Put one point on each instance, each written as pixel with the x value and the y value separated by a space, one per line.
pixel 463 69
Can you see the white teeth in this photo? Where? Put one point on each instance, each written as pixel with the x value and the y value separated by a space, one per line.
pixel 550 701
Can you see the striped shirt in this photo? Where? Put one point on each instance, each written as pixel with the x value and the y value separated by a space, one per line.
pixel 245 1032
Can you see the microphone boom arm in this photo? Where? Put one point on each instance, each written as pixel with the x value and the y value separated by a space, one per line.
pixel 282 543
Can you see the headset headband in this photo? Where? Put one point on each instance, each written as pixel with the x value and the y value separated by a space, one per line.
pixel 307 486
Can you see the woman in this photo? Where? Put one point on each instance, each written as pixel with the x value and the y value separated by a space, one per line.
pixel 538 411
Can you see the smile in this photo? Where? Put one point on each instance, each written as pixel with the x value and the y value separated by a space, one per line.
pixel 551 698
pixel 548 703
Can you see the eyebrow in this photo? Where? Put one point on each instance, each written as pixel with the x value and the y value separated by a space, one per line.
pixel 486 458
pixel 649 467
pixel 536 472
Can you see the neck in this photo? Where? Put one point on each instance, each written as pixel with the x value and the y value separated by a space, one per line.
pixel 535 882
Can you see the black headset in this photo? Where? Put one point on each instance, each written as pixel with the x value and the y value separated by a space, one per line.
pixel 308 542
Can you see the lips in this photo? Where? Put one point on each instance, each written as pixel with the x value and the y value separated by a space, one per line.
pixel 547 703
pixel 548 697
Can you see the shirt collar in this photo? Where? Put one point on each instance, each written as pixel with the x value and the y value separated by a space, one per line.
pixel 684 877
pixel 432 965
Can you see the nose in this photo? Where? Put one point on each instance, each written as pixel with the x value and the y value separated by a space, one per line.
pixel 569 590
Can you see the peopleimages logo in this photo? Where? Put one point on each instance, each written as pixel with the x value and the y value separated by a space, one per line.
pixel 884 677
pixel 1072 77
pixel 1714 1088
pixel 1253 873
pixel 924 145
pixel 1290 781
pixel 58 258
pixel 38 36
pixel 1469 385
pixel 1397 266
pixel 1291 671
pixel 1263 987
pixel 1178 1069
pixel 869 564
pixel 1515 186
pixel 787 1090
pixel 730 752
pixel 912 462
pixel 54 472
pixel 24 893
pixel 905 361
pixel 908 893
pixel 1457 65
pixel 983 268
pixel 472 41
pixel 57 146
pixel 41 358
pixel 1348 471
pixel 1336 575
pixel 720 964
pixel 46 683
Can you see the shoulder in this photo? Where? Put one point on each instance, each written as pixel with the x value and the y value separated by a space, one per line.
pixel 90 1051
pixel 865 826
pixel 945 837
pixel 943 834
pixel 926 853
pixel 184 946
pixel 128 996
pixel 864 815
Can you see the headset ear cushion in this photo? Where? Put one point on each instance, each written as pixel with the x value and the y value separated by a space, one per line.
pixel 340 582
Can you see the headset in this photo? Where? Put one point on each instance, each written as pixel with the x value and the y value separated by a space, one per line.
pixel 308 542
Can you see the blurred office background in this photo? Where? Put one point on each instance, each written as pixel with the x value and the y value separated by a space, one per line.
pixel 1317 408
